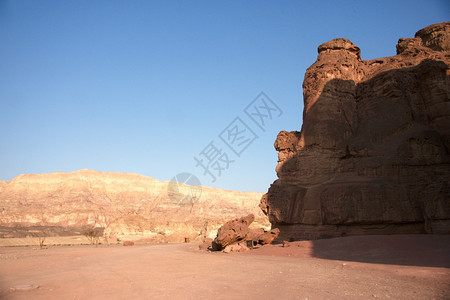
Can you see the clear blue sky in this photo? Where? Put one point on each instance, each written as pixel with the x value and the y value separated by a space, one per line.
pixel 145 86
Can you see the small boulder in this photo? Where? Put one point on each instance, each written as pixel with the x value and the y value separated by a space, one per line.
pixel 286 244
pixel 268 237
pixel 128 243
pixel 235 248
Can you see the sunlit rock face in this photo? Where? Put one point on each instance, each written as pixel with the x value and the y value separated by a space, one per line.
pixel 125 205
pixel 372 156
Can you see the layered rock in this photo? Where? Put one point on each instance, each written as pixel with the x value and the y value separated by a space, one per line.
pixel 373 152
pixel 126 205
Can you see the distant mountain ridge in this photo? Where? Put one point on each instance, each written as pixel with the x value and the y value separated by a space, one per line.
pixel 89 198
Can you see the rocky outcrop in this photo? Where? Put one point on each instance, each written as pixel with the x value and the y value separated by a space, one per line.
pixel 127 206
pixel 372 156
pixel 234 235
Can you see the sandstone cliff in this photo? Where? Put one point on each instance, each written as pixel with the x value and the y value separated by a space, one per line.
pixel 372 156
pixel 126 205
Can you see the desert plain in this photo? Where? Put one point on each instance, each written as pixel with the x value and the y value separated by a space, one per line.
pixel 358 267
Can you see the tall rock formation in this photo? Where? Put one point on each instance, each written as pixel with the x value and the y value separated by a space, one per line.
pixel 125 205
pixel 372 156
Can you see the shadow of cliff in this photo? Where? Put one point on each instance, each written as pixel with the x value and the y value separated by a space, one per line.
pixel 347 141
pixel 409 250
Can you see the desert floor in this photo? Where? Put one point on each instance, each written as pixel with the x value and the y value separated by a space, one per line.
pixel 365 267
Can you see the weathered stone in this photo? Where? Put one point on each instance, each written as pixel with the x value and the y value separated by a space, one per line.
pixel 232 232
pixel 436 36
pixel 128 243
pixel 240 247
pixel 286 244
pixel 372 156
pixel 268 237
pixel 254 233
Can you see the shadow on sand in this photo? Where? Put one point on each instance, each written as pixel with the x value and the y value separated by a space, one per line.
pixel 411 250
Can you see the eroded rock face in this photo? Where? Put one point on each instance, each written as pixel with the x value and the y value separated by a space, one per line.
pixel 373 152
pixel 128 206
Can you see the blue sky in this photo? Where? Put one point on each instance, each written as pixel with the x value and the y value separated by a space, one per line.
pixel 146 86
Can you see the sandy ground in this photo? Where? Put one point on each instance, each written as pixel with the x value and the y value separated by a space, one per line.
pixel 366 267
pixel 55 240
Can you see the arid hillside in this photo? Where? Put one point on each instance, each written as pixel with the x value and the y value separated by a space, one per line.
pixel 125 205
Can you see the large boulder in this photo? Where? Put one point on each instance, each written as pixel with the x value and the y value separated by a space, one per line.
pixel 236 236
pixel 232 232
pixel 372 156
